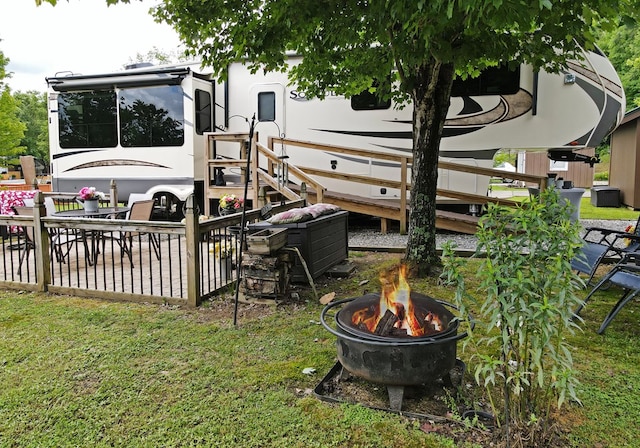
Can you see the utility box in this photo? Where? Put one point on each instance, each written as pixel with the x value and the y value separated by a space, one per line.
pixel 605 196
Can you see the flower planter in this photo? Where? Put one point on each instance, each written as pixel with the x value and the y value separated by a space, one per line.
pixel 229 211
pixel 90 205
pixel 267 241
pixel 226 272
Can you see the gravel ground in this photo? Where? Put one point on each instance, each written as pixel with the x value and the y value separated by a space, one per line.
pixel 371 239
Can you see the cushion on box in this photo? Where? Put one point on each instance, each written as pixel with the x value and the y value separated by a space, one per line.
pixel 303 214
pixel 291 216
pixel 322 209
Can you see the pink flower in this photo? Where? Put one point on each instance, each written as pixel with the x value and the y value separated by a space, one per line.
pixel 90 193
pixel 231 201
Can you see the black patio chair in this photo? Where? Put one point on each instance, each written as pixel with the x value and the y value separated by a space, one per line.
pixel 140 211
pixel 600 244
pixel 626 275
pixel 62 240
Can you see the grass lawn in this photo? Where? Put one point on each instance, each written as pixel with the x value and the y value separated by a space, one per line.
pixel 80 372
pixel 587 211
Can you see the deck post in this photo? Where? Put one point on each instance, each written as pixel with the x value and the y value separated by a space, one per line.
pixel 113 193
pixel 192 233
pixel 41 242
pixel 262 197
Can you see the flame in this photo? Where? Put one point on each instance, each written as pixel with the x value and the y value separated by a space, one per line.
pixel 396 297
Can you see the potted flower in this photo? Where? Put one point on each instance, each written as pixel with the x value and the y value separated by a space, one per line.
pixel 230 203
pixel 88 197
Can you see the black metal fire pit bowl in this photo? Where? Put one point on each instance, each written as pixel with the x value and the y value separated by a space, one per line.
pixel 389 360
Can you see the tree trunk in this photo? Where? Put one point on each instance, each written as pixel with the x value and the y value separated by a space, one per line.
pixel 431 97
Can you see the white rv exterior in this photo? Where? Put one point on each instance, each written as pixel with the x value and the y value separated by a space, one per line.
pixel 530 111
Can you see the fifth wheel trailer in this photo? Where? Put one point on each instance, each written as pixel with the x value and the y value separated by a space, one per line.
pixel 145 127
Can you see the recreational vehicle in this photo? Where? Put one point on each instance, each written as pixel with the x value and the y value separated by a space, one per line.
pixel 146 127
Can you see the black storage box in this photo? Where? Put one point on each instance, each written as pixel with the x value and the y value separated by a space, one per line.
pixel 605 196
pixel 323 242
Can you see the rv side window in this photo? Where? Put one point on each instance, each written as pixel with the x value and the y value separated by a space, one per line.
pixel 266 106
pixel 203 112
pixel 151 116
pixel 492 81
pixel 369 101
pixel 87 119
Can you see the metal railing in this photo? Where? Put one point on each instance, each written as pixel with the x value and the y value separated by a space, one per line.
pixel 124 260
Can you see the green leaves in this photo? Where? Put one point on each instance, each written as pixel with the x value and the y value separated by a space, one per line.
pixel 530 293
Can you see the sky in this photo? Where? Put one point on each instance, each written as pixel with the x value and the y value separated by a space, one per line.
pixel 79 36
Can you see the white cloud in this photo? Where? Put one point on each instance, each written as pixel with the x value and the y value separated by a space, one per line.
pixel 79 36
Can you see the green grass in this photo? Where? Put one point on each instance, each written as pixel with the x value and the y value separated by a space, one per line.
pixel 88 373
pixel 80 372
pixel 587 211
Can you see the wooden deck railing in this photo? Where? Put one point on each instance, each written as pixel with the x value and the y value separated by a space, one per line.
pixel 192 261
pixel 268 168
pixel 403 183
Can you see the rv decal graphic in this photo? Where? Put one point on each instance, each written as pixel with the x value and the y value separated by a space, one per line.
pixel 508 107
pixel 118 162
pixel 478 154
pixel 608 107
pixel 597 78
pixel 73 153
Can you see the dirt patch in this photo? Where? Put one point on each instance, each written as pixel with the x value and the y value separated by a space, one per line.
pixel 441 409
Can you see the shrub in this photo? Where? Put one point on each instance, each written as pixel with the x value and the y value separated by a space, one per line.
pixel 530 293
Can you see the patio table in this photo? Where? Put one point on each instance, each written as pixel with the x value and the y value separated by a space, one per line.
pixel 91 253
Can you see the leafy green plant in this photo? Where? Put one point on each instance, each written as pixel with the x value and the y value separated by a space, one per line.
pixel 530 293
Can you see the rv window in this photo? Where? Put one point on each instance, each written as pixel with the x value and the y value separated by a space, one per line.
pixel 151 116
pixel 492 81
pixel 203 112
pixel 266 106
pixel 87 119
pixel 369 101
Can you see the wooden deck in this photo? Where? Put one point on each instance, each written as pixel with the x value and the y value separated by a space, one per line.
pixel 176 273
pixel 193 261
pixel 149 278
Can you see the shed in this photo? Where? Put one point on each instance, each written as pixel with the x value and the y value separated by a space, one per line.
pixel 537 162
pixel 625 159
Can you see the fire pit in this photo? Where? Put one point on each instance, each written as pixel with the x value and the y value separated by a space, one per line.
pixel 397 340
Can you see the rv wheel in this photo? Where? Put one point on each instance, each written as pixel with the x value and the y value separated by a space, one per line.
pixel 171 208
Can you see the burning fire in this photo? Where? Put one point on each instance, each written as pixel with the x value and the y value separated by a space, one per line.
pixel 396 310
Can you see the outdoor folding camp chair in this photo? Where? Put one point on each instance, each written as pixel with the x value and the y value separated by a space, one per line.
pixel 626 275
pixel 600 243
